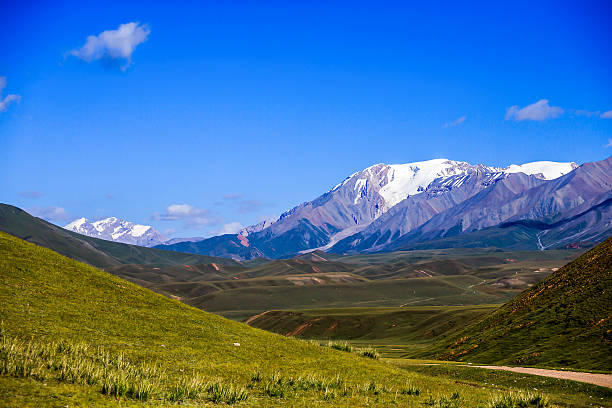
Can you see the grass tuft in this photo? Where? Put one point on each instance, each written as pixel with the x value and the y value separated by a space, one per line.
pixel 369 352
pixel 516 400
pixel 410 389
pixel 340 345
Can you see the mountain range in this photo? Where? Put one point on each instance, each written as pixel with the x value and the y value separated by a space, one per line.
pixel 437 203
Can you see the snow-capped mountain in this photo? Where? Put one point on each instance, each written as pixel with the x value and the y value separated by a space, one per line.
pixel 518 210
pixel 115 229
pixel 420 191
pixel 396 182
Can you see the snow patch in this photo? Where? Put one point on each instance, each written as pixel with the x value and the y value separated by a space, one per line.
pixel 139 230
pixel 545 170
pixel 413 178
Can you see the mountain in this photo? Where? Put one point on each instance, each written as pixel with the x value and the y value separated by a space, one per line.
pixel 563 321
pixel 410 194
pixel 93 251
pixel 179 240
pixel 114 229
pixel 573 207
pixel 227 246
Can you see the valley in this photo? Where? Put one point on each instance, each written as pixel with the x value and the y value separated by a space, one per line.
pixel 305 204
pixel 405 305
pixel 419 313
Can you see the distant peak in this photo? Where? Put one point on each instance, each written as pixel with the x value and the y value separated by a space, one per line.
pixel 115 229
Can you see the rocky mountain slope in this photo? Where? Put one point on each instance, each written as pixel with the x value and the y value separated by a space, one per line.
pixel 574 207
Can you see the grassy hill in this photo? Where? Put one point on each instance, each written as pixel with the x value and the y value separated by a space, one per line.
pixel 564 321
pixel 392 330
pixel 75 335
pixel 396 324
pixel 93 251
pixel 243 302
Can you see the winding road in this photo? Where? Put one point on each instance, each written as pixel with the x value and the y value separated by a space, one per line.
pixel 603 380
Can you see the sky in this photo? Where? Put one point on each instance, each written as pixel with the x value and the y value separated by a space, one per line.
pixel 202 117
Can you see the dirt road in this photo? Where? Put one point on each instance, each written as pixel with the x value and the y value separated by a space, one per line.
pixel 603 380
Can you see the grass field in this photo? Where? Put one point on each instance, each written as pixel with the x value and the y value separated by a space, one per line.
pixel 393 331
pixel 561 392
pixel 563 321
pixel 74 335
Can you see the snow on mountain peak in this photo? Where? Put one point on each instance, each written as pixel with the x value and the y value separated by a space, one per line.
pixel 76 223
pixel 395 182
pixel 412 178
pixel 545 170
pixel 114 229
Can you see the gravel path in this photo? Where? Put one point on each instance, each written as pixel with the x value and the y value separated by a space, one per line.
pixel 603 380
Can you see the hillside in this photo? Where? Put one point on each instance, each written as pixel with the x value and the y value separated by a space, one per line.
pixel 93 251
pixel 563 321
pixel 94 334
pixel 380 324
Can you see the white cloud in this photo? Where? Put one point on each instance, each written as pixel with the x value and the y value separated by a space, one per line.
pixel 609 143
pixel 455 122
pixel 537 111
pixel 191 216
pixel 113 44
pixel 179 211
pixel 607 115
pixel 8 99
pixel 50 213
pixel 230 228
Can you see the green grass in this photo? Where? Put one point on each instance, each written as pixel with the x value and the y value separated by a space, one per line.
pixel 562 393
pixel 519 401
pixel 438 290
pixel 46 299
pixel 564 321
pixel 399 325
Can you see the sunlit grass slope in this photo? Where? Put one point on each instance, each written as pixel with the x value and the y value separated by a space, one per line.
pixel 75 335
pixel 563 321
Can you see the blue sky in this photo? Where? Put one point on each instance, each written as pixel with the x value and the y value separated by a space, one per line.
pixel 240 110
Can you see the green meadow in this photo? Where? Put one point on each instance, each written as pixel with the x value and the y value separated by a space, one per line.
pixel 74 335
